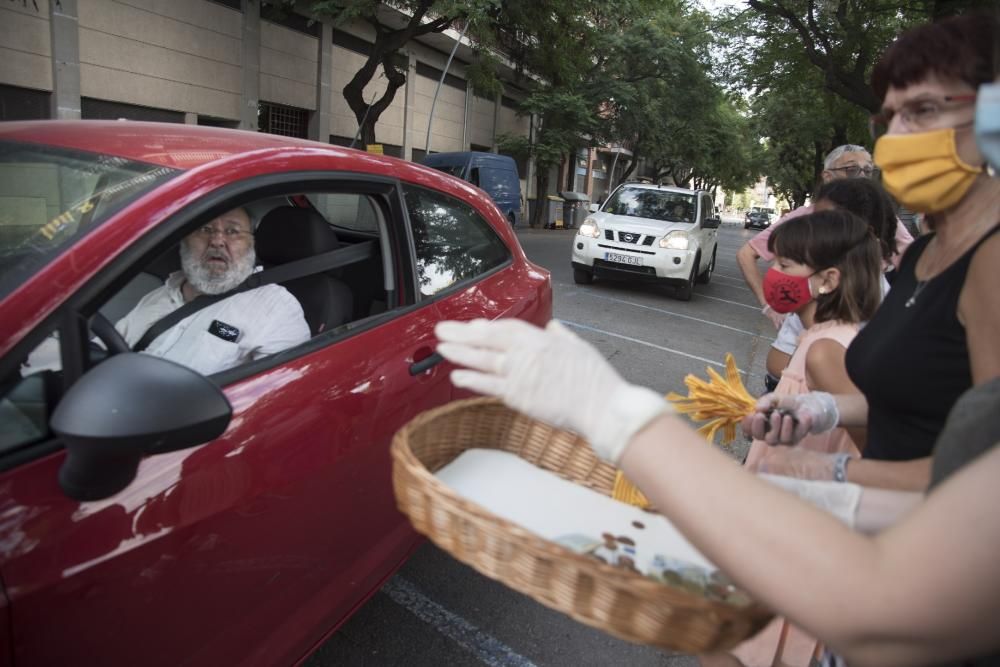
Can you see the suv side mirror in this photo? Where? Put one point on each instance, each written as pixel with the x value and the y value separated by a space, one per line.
pixel 711 223
pixel 129 406
pixel 594 208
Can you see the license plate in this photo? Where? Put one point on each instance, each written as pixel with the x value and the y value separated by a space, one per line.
pixel 623 259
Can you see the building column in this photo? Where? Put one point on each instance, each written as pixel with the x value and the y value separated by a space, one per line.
pixel 250 59
pixel 190 118
pixel 409 95
pixel 319 120
pixel 64 32
pixel 588 182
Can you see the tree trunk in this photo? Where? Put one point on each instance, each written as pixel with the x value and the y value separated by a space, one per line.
pixel 538 217
pixel 366 114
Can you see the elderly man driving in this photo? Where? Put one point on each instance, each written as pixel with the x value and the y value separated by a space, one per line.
pixel 216 258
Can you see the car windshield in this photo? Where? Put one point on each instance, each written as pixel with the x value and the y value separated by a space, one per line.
pixel 654 204
pixel 451 169
pixel 50 197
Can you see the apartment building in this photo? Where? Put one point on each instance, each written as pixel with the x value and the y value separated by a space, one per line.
pixel 236 63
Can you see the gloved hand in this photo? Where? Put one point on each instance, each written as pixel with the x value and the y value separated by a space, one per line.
pixel 776 318
pixel 550 374
pixel 796 462
pixel 782 419
pixel 839 499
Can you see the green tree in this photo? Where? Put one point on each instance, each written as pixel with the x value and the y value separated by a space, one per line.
pixel 584 55
pixel 415 18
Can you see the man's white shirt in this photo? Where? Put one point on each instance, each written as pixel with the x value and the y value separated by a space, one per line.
pixel 255 323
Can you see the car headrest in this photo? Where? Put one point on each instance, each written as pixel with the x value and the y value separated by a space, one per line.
pixel 289 233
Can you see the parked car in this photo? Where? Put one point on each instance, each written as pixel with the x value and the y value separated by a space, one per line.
pixel 495 174
pixel 152 516
pixel 649 233
pixel 757 219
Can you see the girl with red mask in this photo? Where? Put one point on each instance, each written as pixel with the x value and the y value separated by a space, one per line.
pixel 827 271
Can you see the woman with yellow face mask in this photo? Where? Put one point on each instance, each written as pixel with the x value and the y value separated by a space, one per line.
pixel 938 331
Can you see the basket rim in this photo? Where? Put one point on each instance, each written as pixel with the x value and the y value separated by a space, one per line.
pixel 636 583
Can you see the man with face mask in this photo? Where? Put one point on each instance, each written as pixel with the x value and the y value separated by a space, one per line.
pixel 215 259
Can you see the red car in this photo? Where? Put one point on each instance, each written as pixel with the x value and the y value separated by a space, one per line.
pixel 151 516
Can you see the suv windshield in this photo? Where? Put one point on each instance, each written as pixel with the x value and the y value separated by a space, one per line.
pixel 50 197
pixel 654 204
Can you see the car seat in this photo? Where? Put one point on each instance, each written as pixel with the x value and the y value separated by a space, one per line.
pixel 288 233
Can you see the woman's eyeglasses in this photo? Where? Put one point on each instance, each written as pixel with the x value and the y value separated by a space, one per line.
pixel 917 115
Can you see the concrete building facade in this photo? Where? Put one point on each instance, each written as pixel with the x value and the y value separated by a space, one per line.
pixel 225 62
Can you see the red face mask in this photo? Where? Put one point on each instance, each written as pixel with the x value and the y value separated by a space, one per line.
pixel 785 293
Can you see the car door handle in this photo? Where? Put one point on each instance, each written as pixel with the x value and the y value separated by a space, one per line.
pixel 425 364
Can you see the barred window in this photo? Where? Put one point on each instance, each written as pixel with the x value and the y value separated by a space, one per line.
pixel 284 120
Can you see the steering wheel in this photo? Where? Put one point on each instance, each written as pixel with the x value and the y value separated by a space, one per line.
pixel 106 332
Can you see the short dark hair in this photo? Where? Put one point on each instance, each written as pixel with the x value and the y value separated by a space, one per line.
pixel 866 199
pixel 958 47
pixel 835 239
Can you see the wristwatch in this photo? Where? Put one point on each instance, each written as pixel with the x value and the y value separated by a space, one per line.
pixel 840 466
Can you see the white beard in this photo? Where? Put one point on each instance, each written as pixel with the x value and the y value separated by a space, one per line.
pixel 200 276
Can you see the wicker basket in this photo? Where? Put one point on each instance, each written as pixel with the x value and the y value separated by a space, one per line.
pixel 622 603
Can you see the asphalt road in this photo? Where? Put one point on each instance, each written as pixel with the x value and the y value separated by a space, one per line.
pixel 437 611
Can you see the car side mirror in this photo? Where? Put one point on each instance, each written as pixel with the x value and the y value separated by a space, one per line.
pixel 594 208
pixel 711 223
pixel 129 406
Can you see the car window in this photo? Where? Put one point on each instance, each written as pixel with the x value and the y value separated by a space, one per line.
pixel 652 203
pixel 350 211
pixel 453 243
pixel 707 209
pixel 28 397
pixel 49 197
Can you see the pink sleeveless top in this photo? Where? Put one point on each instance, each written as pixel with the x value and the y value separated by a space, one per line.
pixel 793 381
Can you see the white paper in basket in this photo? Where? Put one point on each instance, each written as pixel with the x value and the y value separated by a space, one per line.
pixel 552 507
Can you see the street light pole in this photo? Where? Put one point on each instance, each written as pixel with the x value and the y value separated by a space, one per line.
pixel 430 118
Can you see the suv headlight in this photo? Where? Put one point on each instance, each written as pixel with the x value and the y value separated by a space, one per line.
pixel 589 228
pixel 675 241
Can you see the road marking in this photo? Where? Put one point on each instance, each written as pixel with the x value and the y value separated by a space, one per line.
pixel 646 343
pixel 488 649
pixel 739 287
pixel 664 311
pixel 735 303
pixel 723 275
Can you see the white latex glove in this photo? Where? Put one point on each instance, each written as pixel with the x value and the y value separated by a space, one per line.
pixel 781 419
pixel 841 499
pixel 550 374
pixel 796 462
pixel 777 319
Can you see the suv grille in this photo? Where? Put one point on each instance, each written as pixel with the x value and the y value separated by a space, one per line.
pixel 629 237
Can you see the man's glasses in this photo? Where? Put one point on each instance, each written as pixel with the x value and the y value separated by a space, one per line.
pixel 853 170
pixel 917 115
pixel 228 233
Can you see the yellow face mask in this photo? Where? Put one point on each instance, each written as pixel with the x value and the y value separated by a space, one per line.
pixel 923 171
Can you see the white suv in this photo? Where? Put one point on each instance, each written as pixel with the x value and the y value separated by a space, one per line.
pixel 650 233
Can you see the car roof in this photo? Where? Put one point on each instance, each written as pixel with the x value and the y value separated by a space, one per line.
pixel 662 188
pixel 174 145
